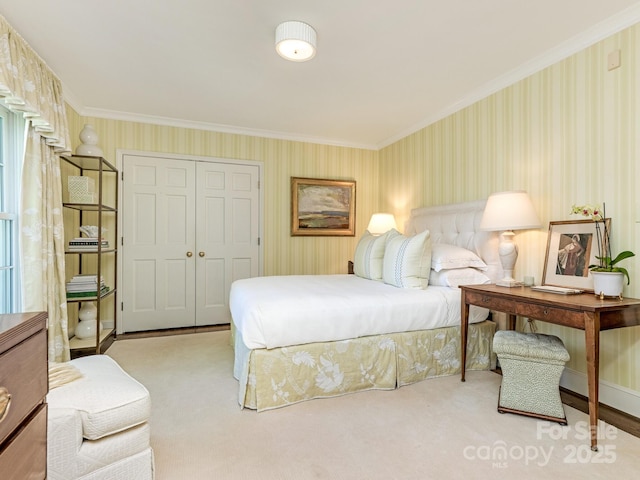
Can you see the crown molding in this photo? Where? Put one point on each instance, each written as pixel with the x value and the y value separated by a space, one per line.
pixel 210 127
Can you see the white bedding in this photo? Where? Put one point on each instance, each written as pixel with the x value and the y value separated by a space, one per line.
pixel 280 311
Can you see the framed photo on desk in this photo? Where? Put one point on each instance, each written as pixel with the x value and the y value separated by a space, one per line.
pixel 572 246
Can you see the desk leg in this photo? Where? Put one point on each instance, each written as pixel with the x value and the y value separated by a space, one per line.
pixel 464 328
pixel 511 321
pixel 592 345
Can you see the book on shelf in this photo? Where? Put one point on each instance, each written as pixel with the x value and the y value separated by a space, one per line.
pixel 88 293
pixel 84 243
pixel 84 283
pixel 87 239
pixel 93 248
pixel 90 287
pixel 87 244
pixel 84 277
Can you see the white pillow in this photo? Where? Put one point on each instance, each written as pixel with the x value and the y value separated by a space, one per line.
pixel 367 262
pixel 407 261
pixel 445 256
pixel 458 276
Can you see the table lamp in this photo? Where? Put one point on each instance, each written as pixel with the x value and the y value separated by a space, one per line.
pixel 381 223
pixel 506 212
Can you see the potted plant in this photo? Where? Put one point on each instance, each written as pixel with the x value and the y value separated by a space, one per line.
pixel 608 277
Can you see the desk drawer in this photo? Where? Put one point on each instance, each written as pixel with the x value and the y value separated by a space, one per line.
pixel 23 372
pixel 25 455
pixel 492 302
pixel 558 316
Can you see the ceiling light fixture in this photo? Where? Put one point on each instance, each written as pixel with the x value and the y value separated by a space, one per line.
pixel 296 41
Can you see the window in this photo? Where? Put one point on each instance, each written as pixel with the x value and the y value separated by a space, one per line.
pixel 11 154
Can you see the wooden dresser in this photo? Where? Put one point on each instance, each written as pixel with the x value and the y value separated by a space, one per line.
pixel 24 380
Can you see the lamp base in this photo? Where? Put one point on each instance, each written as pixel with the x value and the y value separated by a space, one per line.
pixel 508 252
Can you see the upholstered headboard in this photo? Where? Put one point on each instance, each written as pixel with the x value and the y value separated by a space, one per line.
pixel 459 224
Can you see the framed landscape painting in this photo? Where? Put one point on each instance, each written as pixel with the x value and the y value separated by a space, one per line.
pixel 323 207
pixel 571 247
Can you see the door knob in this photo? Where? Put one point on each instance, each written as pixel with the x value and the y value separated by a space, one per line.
pixel 189 254
pixel 201 254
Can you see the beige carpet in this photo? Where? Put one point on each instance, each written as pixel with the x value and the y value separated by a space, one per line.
pixel 436 429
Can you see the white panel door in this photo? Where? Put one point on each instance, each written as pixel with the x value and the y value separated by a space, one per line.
pixel 190 228
pixel 227 210
pixel 158 268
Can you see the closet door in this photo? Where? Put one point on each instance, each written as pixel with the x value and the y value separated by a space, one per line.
pixel 227 210
pixel 158 266
pixel 190 228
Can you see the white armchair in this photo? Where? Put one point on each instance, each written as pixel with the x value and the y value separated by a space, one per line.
pixel 98 425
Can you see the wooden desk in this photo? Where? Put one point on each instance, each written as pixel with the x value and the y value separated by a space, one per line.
pixel 585 312
pixel 23 376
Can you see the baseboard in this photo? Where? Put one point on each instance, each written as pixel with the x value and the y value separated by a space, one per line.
pixel 174 331
pixel 615 396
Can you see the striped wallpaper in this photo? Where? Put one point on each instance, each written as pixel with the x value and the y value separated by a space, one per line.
pixel 568 134
pixel 281 159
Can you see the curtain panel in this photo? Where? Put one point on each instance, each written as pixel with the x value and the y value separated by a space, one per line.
pixel 42 239
pixel 30 88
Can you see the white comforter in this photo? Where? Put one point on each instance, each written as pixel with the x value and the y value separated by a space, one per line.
pixel 280 311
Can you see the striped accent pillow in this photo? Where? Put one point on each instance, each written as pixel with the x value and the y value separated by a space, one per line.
pixel 367 262
pixel 407 261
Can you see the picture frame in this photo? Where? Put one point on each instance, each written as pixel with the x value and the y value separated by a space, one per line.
pixel 572 246
pixel 323 207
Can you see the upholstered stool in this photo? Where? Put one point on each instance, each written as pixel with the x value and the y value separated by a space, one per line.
pixel 532 364
pixel 98 424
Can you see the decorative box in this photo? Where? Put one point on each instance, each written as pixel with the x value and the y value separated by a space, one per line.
pixel 81 189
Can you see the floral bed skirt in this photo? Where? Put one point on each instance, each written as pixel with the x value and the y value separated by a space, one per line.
pixel 283 376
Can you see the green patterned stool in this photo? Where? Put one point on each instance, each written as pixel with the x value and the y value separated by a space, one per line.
pixel 532 364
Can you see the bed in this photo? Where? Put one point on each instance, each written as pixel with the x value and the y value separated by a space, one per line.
pixel 394 322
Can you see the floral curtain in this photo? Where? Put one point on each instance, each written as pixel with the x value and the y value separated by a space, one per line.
pixel 30 87
pixel 42 236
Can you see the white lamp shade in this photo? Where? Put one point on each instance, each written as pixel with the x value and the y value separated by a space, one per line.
pixel 381 223
pixel 509 211
pixel 296 41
